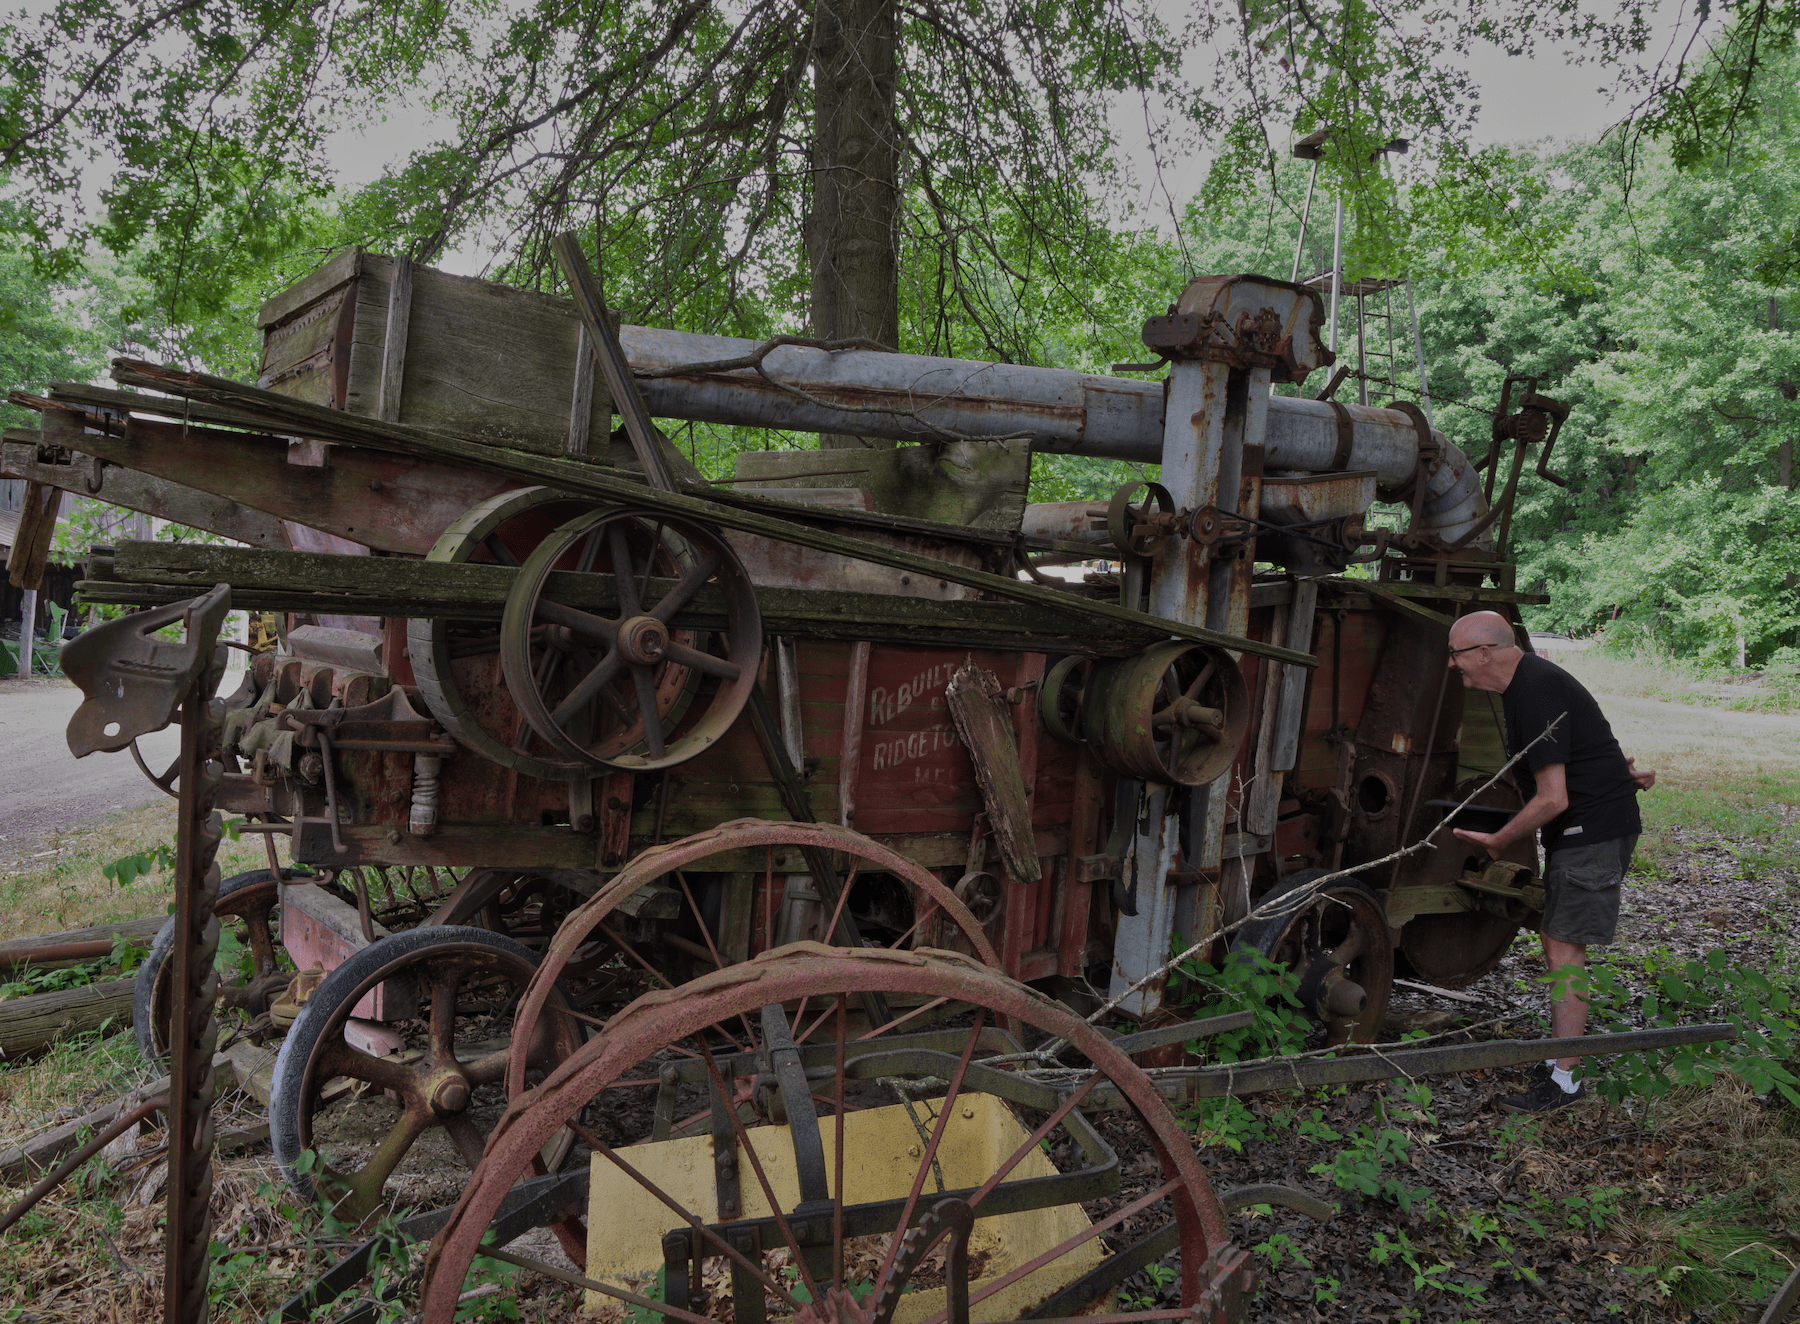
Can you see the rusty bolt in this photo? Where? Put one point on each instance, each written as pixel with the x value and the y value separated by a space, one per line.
pixel 585 823
pixel 452 1096
pixel 615 804
pixel 374 484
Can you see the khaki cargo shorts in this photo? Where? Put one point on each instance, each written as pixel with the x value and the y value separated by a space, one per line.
pixel 1581 890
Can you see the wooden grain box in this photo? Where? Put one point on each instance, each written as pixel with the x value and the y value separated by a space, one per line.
pixel 381 337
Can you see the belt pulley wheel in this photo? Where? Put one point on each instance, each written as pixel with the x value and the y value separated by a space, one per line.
pixel 1173 715
pixel 1336 940
pixel 1060 697
pixel 458 667
pixel 1136 527
pixel 697 1059
pixel 597 685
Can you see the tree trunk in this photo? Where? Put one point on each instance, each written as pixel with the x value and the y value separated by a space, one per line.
pixel 852 234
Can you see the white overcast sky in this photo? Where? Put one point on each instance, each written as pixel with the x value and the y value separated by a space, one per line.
pixel 1522 100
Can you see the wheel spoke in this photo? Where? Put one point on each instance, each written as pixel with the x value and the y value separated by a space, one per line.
pixel 704 663
pixel 649 710
pixel 688 585
pixel 589 687
pixel 261 942
pixel 487 1069
pixel 500 551
pixel 931 1148
pixel 470 1144
pixel 1193 691
pixel 363 1187
pixel 443 1016
pixel 599 1146
pixel 340 1059
pixel 622 571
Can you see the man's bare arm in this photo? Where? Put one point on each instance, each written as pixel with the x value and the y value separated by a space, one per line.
pixel 1551 799
pixel 1645 779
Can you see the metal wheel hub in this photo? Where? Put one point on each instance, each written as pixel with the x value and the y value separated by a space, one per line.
pixel 643 640
pixel 451 1094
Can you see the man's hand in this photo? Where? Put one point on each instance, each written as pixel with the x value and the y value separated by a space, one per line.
pixel 1645 779
pixel 1486 840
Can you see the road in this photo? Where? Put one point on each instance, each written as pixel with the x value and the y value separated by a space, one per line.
pixel 43 787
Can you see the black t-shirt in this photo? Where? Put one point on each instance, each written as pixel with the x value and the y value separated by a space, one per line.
pixel 1602 796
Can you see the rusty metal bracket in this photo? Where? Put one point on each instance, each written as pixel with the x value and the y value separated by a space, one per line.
pixel 132 681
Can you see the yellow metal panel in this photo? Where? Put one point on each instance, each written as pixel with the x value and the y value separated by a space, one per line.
pixel 882 1150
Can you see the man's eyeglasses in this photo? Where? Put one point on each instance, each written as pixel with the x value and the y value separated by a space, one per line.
pixel 1472 647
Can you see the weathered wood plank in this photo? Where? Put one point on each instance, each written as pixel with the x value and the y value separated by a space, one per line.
pixel 309 287
pixel 979 710
pixel 393 341
pixel 371 497
pixel 140 491
pixel 478 592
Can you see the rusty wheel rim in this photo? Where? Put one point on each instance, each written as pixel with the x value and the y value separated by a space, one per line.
pixel 589 921
pixel 692 1025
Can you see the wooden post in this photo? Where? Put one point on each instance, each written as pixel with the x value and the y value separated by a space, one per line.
pixel 30 553
pixel 27 629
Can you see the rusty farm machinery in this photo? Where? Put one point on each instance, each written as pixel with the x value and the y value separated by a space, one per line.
pixel 730 876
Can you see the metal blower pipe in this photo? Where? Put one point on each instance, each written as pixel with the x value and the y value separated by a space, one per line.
pixel 904 397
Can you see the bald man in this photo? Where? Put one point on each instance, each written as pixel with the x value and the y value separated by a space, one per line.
pixel 1581 795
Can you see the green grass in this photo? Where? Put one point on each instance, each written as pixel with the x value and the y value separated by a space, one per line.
pixel 1755 816
pixel 1677 680
pixel 1713 1253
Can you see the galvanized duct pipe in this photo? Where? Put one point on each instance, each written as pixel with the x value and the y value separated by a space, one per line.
pixel 903 397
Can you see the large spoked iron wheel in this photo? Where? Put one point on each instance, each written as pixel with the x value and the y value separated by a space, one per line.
pixel 814 1150
pixel 428 1088
pixel 1337 942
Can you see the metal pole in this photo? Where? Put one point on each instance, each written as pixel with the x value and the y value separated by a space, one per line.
pixel 1337 273
pixel 1305 215
pixel 1362 355
pixel 1419 349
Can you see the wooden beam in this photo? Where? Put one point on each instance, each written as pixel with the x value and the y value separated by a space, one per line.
pixel 142 492
pixel 145 573
pixel 393 343
pixel 588 481
pixel 375 498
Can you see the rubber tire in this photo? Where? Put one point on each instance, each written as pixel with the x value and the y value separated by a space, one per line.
pixel 1263 934
pixel 143 989
pixel 345 984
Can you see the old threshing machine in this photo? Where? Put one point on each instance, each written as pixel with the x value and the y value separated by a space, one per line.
pixel 767 842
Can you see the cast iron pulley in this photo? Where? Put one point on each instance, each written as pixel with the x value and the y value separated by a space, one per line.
pixel 1144 527
pixel 1173 715
pixel 1059 699
pixel 595 683
pixel 458 666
